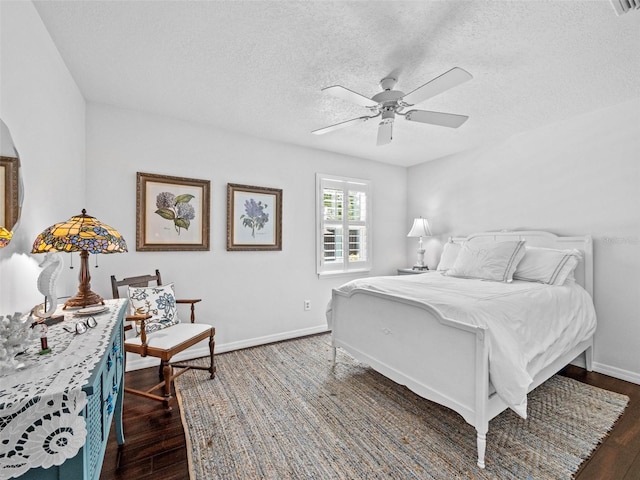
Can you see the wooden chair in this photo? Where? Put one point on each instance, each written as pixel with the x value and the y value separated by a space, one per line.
pixel 165 343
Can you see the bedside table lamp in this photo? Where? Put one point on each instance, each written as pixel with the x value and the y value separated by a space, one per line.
pixel 420 229
pixel 84 234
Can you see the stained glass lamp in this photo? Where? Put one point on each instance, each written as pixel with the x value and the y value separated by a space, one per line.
pixel 5 237
pixel 84 234
pixel 420 228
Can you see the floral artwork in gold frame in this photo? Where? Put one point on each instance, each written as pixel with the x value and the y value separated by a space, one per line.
pixel 172 213
pixel 254 218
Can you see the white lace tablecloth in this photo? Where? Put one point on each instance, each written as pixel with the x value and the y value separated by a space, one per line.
pixel 41 404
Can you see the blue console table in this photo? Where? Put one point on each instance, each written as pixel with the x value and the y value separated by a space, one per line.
pixel 56 411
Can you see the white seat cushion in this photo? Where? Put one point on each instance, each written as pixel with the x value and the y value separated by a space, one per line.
pixel 170 337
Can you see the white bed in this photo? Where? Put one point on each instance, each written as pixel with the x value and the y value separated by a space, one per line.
pixel 442 350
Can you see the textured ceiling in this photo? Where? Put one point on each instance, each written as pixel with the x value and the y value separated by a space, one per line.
pixel 258 66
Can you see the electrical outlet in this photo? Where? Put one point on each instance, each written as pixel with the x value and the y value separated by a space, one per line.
pixel 307 305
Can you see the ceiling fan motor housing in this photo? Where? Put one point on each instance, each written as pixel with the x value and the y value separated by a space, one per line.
pixel 388 96
pixel 388 103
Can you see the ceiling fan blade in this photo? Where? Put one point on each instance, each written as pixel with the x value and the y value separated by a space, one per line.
pixel 436 118
pixel 447 80
pixel 349 95
pixel 385 131
pixel 340 125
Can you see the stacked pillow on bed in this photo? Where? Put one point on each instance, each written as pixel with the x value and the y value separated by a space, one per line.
pixel 504 261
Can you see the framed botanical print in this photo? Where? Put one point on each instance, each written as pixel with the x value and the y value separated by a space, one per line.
pixel 172 213
pixel 254 218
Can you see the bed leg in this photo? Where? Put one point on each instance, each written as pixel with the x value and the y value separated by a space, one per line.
pixel 588 358
pixel 482 447
pixel 333 356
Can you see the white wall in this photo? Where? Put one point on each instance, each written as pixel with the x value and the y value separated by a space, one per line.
pixel 250 297
pixel 45 112
pixel 573 178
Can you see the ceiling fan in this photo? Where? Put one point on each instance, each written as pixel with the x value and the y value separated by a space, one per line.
pixel 389 103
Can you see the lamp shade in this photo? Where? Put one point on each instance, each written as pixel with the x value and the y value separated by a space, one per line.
pixel 80 233
pixel 5 237
pixel 85 234
pixel 420 228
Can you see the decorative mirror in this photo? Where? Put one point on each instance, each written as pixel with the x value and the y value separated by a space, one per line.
pixel 10 186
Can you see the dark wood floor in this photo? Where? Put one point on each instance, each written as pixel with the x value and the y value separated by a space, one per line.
pixel 155 443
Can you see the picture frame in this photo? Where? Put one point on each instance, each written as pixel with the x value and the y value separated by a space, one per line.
pixel 254 218
pixel 172 213
pixel 9 191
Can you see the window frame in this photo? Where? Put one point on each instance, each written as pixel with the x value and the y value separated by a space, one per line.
pixel 346 184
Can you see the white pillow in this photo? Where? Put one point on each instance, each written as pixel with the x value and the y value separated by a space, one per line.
pixel 489 261
pixel 159 302
pixel 547 265
pixel 449 254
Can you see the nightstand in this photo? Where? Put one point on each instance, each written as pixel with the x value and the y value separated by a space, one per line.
pixel 411 271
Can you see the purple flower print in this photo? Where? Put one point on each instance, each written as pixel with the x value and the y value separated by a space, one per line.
pixel 254 217
pixel 176 209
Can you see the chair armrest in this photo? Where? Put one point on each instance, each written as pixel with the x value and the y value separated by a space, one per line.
pixel 143 331
pixel 193 306
pixel 137 318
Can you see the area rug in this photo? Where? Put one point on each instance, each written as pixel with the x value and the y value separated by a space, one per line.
pixel 280 412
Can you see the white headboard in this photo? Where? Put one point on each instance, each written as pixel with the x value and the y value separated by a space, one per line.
pixel 535 238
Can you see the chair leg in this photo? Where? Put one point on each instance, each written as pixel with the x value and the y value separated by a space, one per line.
pixel 161 371
pixel 212 344
pixel 167 375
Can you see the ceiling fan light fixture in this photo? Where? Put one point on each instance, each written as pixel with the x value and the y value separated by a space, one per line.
pixel 385 132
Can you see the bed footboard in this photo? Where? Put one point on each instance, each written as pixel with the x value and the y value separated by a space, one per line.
pixel 410 343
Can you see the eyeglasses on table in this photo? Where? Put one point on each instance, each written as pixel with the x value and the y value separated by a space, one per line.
pixel 81 326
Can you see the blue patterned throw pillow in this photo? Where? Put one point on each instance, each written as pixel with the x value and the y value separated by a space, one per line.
pixel 159 302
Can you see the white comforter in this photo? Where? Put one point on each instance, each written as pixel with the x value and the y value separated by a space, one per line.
pixel 529 324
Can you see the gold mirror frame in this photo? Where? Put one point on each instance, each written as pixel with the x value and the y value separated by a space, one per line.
pixel 10 186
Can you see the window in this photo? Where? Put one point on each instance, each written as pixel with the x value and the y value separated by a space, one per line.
pixel 344 212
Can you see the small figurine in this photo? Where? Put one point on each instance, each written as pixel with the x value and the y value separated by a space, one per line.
pixel 52 266
pixel 43 339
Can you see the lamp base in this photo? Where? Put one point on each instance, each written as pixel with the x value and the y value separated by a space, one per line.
pixel 85 299
pixel 420 260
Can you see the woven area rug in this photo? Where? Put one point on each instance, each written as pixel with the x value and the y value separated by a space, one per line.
pixel 280 412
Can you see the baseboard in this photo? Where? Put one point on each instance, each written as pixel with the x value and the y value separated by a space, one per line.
pixel 135 362
pixel 618 373
pixel 614 372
